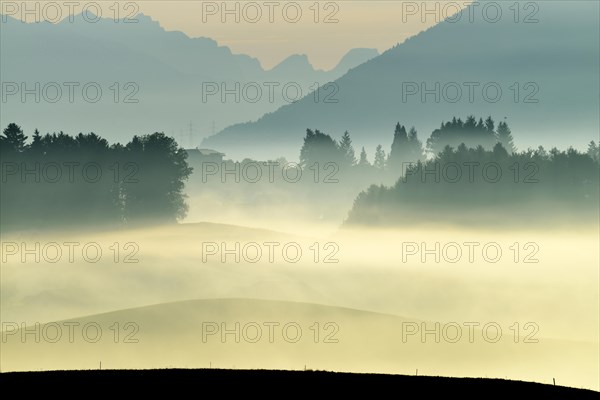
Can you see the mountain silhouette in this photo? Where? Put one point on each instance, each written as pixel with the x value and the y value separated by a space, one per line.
pixel 169 71
pixel 548 72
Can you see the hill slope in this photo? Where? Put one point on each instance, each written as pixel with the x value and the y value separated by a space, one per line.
pixel 245 333
pixel 306 382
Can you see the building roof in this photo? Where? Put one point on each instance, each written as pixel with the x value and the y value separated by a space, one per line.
pixel 205 152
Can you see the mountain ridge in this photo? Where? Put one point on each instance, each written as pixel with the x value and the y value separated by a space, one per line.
pixel 547 73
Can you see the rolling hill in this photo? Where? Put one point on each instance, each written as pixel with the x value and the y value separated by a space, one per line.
pixel 249 334
pixel 139 382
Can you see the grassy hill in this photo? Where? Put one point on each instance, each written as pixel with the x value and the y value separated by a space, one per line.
pixel 306 382
pixel 287 335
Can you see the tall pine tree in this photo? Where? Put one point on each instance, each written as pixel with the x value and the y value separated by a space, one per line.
pixel 400 151
pixel 347 149
pixel 379 161
pixel 504 137
pixel 593 151
pixel 363 158
pixel 12 139
pixel 415 146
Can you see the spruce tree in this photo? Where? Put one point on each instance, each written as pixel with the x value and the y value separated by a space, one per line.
pixel 347 149
pixel 379 161
pixel 594 151
pixel 363 158
pixel 400 152
pixel 415 146
pixel 489 124
pixel 12 139
pixel 504 136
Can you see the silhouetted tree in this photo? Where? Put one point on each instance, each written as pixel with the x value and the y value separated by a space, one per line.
pixel 400 151
pixel 505 137
pixel 36 145
pixel 415 146
pixel 541 153
pixel 320 148
pixel 63 180
pixel 539 184
pixel 489 125
pixel 12 139
pixel 363 158
pixel 594 151
pixel 379 161
pixel 347 149
pixel 455 132
pixel 158 193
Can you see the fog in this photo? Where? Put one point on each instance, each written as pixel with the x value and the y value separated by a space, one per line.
pixel 549 283
pixel 393 216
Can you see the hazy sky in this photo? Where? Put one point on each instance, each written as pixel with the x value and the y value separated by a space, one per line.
pixel 324 30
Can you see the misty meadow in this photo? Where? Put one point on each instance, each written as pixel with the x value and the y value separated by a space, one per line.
pixel 400 188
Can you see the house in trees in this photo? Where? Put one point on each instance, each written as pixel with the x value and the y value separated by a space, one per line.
pixel 199 156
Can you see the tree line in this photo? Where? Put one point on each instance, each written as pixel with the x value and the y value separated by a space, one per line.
pixel 406 146
pixel 486 176
pixel 58 179
pixel 61 180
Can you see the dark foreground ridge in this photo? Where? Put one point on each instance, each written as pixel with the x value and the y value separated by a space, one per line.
pixel 285 382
